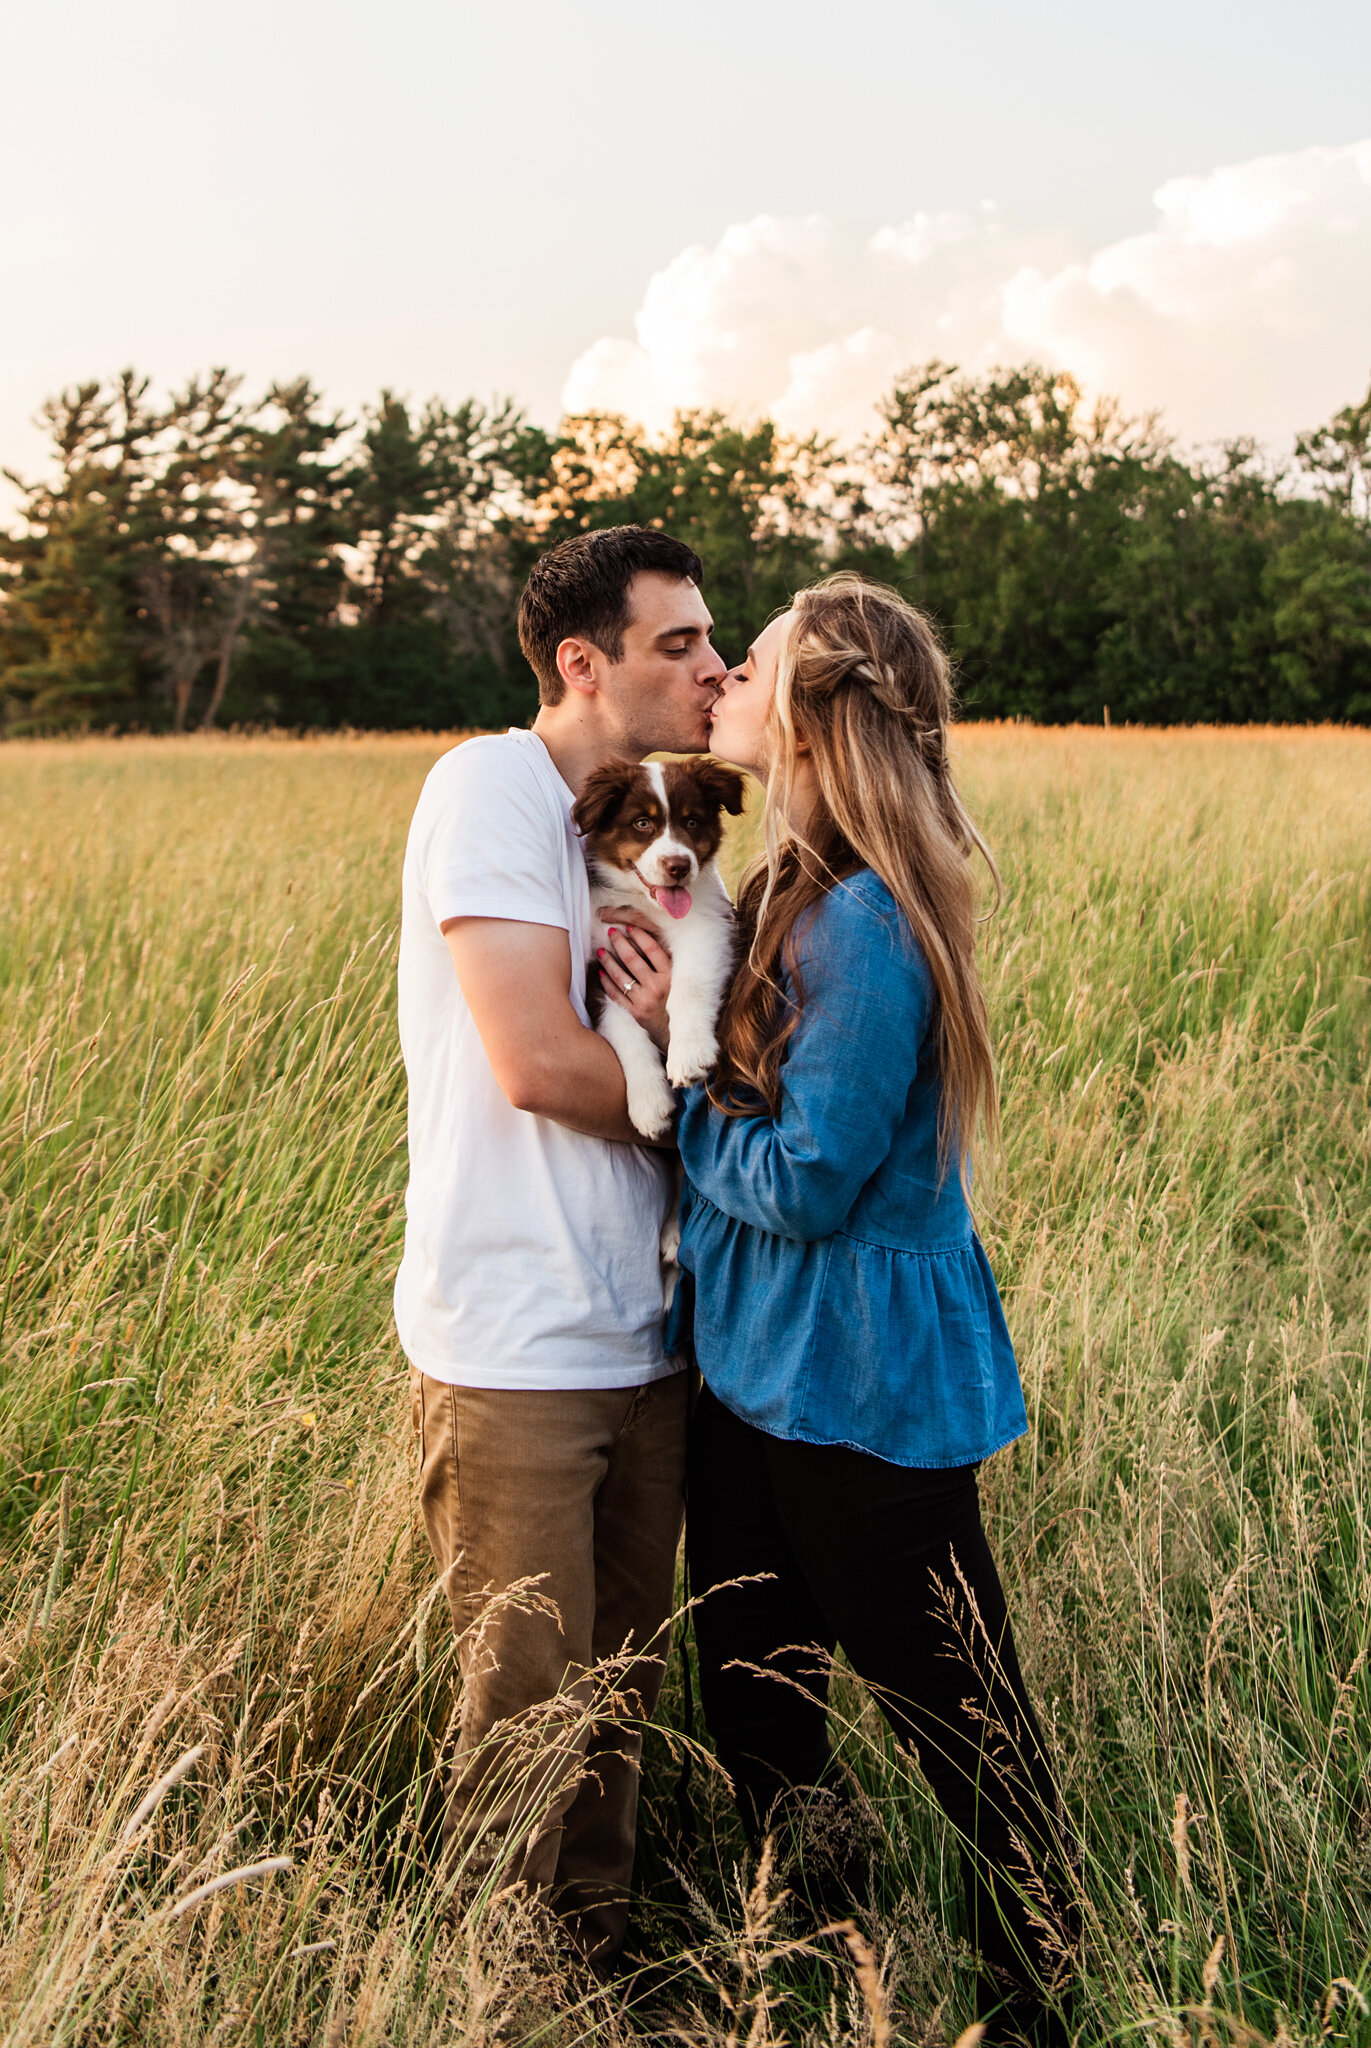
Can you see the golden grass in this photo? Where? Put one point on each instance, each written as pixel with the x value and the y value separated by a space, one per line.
pixel 204 1490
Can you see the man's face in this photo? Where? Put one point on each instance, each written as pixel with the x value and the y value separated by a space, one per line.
pixel 659 695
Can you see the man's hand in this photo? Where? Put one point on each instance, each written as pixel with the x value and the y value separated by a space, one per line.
pixel 516 979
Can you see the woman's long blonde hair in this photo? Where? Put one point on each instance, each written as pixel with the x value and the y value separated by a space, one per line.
pixel 863 681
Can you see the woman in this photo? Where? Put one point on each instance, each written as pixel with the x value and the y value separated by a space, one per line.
pixel 855 1359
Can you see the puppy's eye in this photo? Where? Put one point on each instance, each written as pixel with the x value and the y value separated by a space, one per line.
pixel 693 824
pixel 641 825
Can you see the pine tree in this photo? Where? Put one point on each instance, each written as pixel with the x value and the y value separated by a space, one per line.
pixel 200 580
pixel 70 645
pixel 298 520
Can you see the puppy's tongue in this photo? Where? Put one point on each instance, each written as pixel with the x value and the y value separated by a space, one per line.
pixel 675 902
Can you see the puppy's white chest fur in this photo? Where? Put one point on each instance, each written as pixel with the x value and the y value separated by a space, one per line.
pixel 651 833
pixel 701 947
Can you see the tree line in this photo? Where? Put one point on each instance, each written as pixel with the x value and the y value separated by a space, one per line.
pixel 215 558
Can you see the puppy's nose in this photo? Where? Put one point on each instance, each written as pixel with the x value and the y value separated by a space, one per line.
pixel 675 866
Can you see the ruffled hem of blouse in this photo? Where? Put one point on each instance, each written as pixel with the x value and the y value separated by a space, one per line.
pixel 839 1443
pixel 904 1354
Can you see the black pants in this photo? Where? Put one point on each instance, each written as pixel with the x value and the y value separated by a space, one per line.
pixel 892 1563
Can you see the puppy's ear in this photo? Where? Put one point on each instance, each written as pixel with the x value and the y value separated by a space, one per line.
pixel 723 786
pixel 605 788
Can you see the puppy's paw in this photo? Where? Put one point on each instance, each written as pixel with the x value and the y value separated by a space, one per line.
pixel 651 1104
pixel 690 1056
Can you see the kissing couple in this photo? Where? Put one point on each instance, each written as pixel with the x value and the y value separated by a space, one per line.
pixel 836 1365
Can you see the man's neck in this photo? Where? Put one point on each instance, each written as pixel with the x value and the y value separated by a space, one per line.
pixel 574 741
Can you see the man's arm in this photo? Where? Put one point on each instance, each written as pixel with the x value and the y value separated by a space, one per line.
pixel 516 978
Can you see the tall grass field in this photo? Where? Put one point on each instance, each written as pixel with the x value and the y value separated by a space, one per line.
pixel 224 1683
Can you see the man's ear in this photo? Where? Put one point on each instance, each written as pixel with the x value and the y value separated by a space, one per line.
pixel 724 785
pixel 605 788
pixel 574 664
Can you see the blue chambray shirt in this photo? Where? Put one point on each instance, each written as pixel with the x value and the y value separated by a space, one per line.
pixel 841 1295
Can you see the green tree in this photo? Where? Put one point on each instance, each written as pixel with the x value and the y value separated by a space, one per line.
pixel 1011 502
pixel 1318 583
pixel 1190 634
pixel 1336 460
pixel 1240 596
pixel 1319 579
pixel 200 579
pixel 70 639
pixel 289 463
pixel 437 500
pixel 389 571
pixel 425 491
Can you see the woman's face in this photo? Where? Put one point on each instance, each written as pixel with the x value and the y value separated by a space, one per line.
pixel 739 722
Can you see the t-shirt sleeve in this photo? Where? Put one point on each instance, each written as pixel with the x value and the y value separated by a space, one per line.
pixel 492 845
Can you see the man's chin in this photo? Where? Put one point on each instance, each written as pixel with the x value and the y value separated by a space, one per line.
pixel 697 742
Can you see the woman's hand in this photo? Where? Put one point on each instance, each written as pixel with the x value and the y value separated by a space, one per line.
pixel 635 972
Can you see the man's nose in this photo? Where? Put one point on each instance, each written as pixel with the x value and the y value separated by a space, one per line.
pixel 675 866
pixel 714 670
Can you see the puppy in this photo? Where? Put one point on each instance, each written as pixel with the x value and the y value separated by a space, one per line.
pixel 651 833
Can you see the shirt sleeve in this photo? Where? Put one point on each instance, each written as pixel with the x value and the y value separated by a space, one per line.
pixel 492 844
pixel 845 1079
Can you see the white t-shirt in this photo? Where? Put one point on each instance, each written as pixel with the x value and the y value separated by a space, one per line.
pixel 531 1252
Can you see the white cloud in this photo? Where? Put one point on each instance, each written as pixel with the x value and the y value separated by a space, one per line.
pixel 1245 307
pixel 801 318
pixel 832 386
pixel 711 323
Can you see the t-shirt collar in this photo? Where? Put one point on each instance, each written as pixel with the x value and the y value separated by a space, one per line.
pixel 522 732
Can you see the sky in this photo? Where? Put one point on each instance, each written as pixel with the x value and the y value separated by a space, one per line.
pixel 757 206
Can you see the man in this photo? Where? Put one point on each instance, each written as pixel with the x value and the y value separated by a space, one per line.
pixel 551 1426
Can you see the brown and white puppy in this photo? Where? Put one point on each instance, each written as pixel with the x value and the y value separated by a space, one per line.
pixel 651 832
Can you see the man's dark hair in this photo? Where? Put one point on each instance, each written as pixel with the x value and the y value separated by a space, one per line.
pixel 579 589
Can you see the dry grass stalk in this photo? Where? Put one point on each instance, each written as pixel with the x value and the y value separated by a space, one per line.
pixel 266 1867
pixel 152 1799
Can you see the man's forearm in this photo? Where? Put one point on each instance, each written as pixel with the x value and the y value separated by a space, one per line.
pixel 516 979
pixel 577 1081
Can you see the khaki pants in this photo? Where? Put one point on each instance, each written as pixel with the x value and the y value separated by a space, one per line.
pixel 581 1492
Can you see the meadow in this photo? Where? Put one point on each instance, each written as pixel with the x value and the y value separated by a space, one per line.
pixel 223 1683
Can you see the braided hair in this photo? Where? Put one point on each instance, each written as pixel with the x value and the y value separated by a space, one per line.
pixel 864 686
